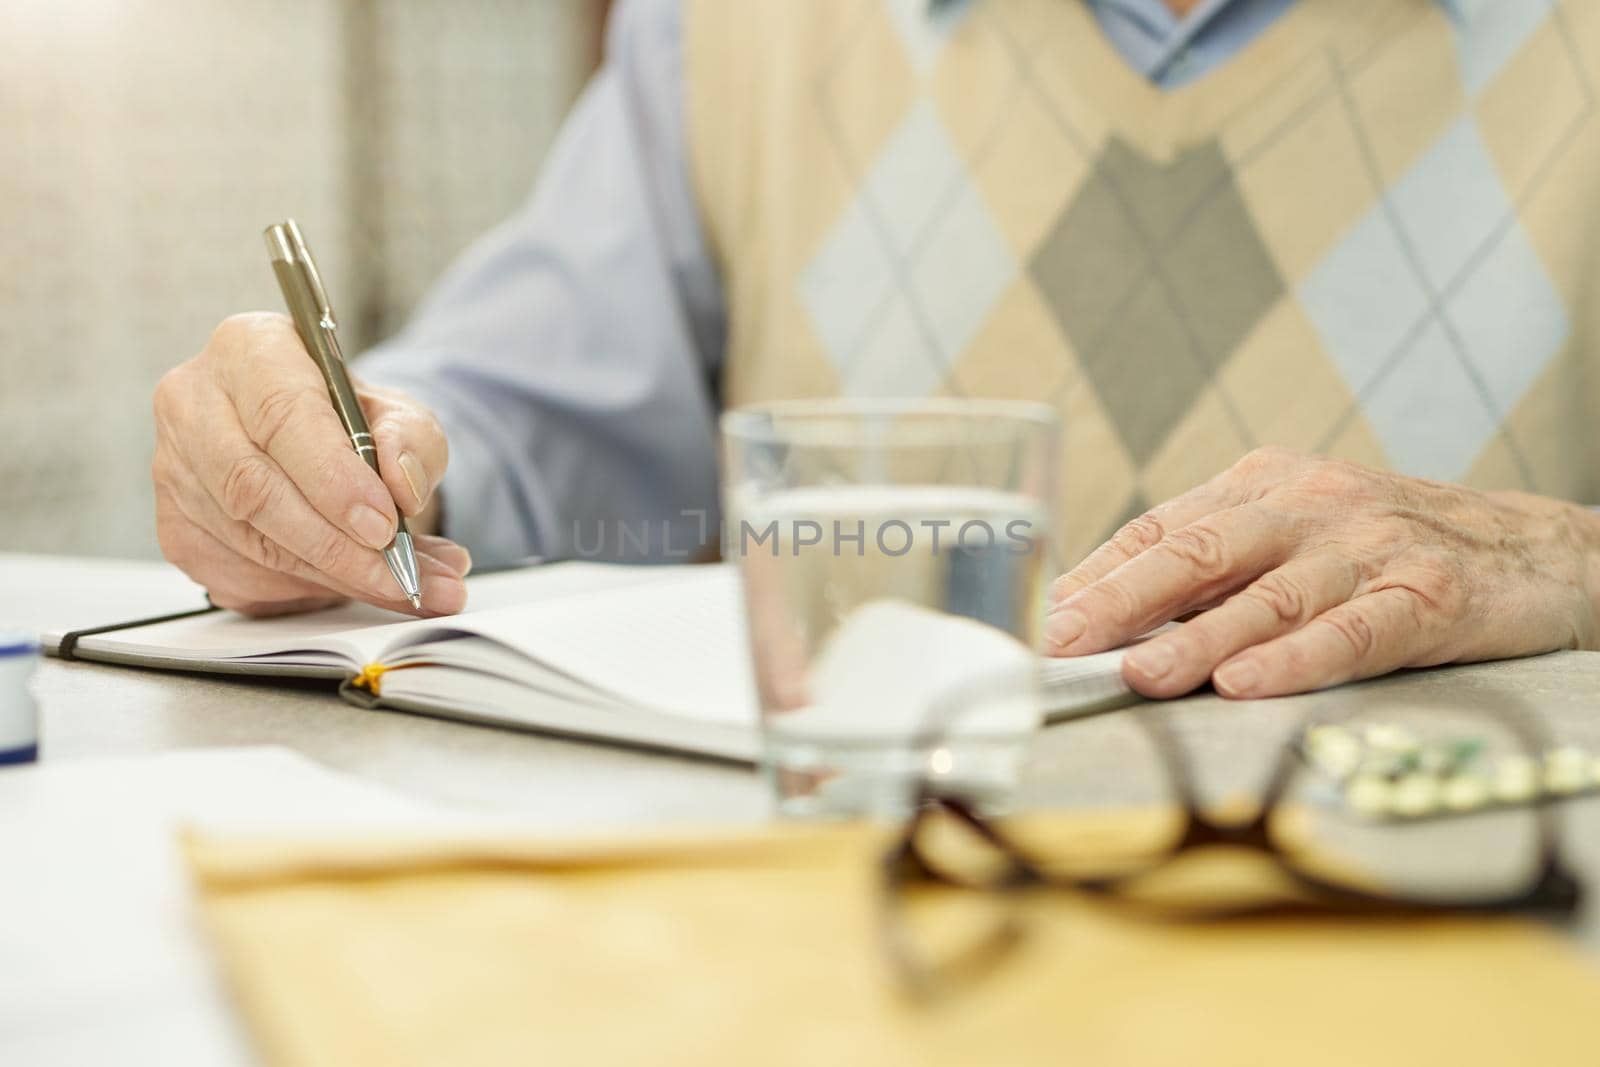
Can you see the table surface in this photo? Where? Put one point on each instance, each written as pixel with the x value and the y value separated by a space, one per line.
pixel 90 710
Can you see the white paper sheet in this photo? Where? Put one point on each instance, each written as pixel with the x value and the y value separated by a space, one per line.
pixel 101 959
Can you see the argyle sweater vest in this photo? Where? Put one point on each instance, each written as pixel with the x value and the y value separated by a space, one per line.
pixel 1371 234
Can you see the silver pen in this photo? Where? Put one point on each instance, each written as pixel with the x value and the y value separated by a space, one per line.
pixel 313 318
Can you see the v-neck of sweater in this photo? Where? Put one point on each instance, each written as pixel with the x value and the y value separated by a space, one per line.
pixel 1301 43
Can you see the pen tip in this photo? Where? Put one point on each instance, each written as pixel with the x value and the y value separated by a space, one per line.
pixel 416 601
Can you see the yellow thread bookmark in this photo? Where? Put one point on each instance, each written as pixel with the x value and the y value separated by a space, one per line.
pixel 370 678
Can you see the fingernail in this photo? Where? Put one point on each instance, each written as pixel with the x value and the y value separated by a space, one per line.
pixel 416 480
pixel 443 596
pixel 1154 661
pixel 456 558
pixel 370 525
pixel 1238 678
pixel 1064 627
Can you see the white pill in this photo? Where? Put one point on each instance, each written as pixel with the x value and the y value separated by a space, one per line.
pixel 1567 757
pixel 1465 792
pixel 1516 780
pixel 1416 795
pixel 1390 738
pixel 1334 750
pixel 1566 771
pixel 1369 796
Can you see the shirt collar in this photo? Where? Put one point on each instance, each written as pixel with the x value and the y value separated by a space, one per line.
pixel 1458 10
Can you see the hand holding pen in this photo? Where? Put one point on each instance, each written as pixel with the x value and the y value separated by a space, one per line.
pixel 261 496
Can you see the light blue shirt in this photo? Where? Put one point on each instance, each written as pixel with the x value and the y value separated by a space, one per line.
pixel 573 353
pixel 1173 51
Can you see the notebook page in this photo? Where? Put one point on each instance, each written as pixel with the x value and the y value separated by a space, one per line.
pixel 676 645
pixel 315 638
pixel 350 634
pixel 679 645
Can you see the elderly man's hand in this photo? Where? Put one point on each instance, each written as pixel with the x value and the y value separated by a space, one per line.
pixel 261 499
pixel 1309 572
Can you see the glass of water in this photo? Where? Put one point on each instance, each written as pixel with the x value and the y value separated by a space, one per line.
pixel 893 557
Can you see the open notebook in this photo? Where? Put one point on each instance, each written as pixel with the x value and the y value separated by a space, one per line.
pixel 652 656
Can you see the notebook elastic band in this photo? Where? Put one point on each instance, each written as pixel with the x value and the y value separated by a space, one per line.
pixel 69 641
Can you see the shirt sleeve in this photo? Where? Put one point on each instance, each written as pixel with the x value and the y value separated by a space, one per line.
pixel 572 354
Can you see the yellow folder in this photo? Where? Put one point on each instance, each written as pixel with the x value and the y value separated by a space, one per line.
pixel 765 948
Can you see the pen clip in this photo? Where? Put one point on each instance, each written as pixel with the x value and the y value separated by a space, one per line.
pixel 302 255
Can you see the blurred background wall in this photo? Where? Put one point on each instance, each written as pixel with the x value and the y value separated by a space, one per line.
pixel 145 143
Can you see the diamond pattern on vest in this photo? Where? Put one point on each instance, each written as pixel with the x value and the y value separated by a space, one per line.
pixel 911 270
pixel 1132 273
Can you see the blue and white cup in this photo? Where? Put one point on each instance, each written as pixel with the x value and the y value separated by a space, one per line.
pixel 19 716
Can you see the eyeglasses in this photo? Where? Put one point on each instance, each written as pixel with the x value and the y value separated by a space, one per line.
pixel 1325 859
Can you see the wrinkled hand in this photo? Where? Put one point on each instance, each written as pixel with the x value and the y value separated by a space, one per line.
pixel 261 499
pixel 1310 572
